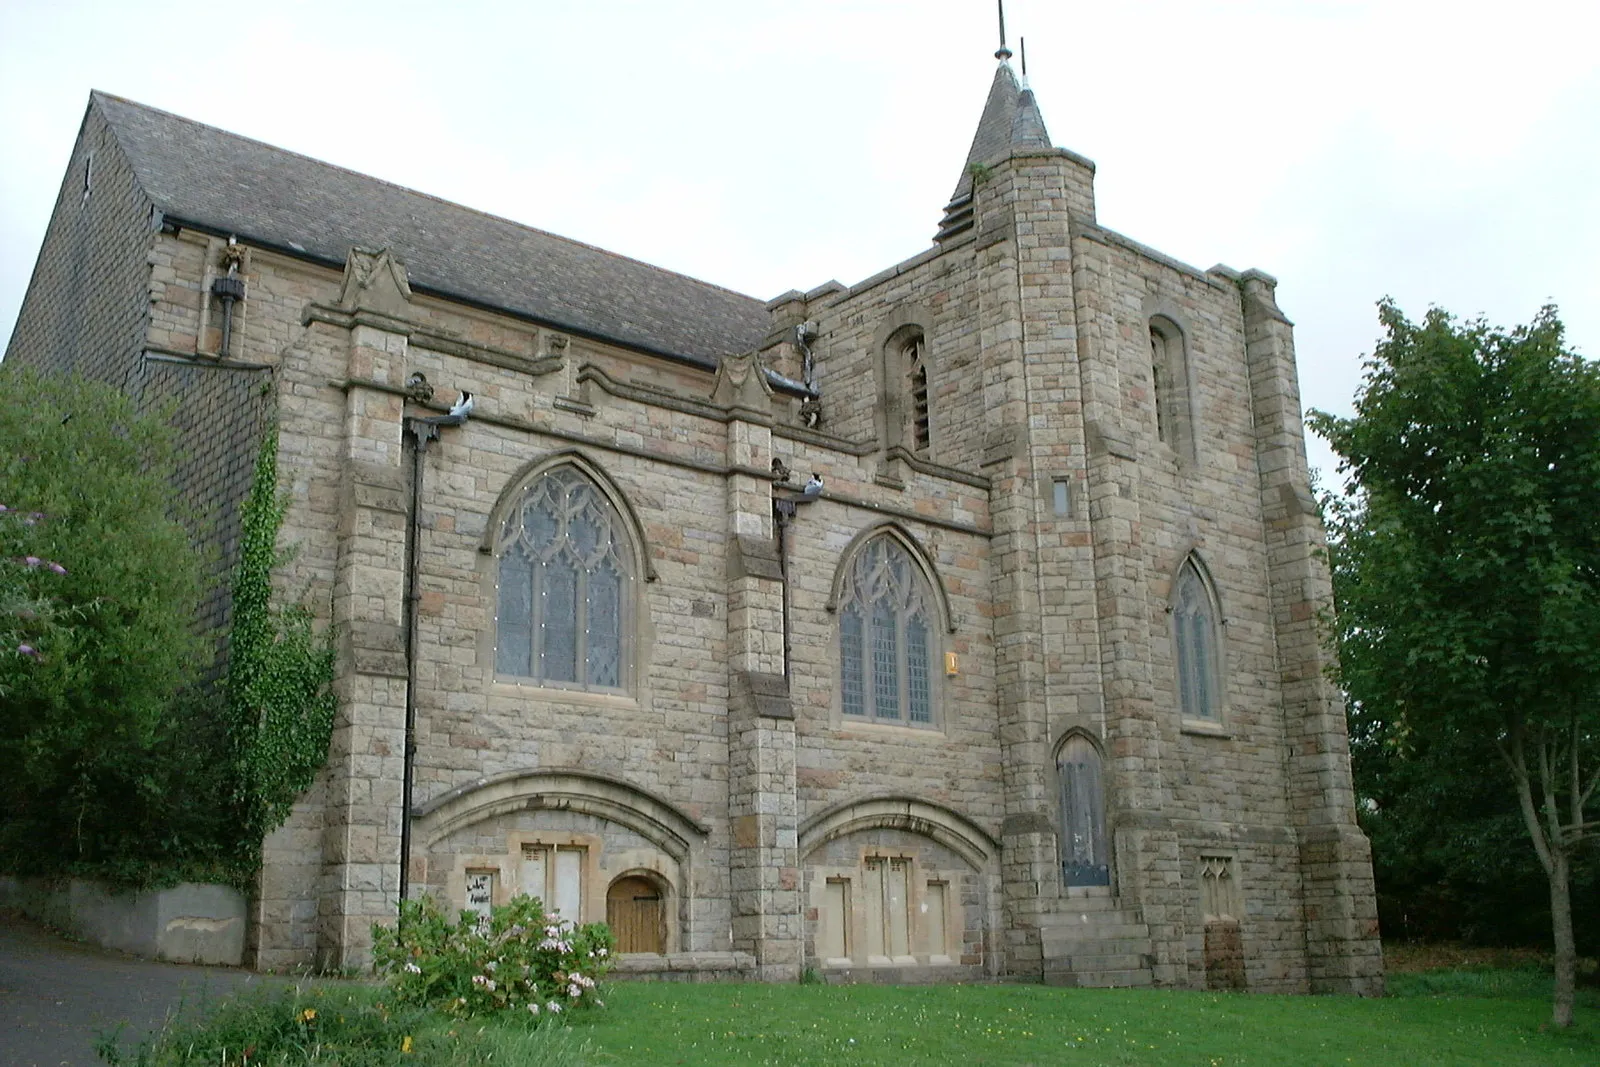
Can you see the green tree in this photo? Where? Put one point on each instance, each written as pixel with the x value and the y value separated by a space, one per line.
pixel 1446 844
pixel 98 587
pixel 1467 569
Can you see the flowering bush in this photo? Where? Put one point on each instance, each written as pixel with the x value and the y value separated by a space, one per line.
pixel 28 614
pixel 514 960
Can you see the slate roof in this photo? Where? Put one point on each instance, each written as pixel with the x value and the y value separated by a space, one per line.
pixel 220 181
pixel 1011 123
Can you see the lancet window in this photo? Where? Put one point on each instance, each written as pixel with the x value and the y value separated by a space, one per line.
pixel 1196 645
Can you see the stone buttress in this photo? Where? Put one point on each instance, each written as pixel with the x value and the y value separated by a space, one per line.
pixel 762 804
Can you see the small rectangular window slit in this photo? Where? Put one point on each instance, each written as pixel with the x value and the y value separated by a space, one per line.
pixel 1062 497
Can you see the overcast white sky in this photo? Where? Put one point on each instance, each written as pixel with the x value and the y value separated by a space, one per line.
pixel 1442 153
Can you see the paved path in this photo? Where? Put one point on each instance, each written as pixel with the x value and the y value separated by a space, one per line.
pixel 57 996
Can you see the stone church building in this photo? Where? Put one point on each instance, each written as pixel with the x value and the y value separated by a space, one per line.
pixel 1030 684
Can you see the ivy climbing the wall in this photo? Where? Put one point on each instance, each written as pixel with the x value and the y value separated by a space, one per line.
pixel 280 671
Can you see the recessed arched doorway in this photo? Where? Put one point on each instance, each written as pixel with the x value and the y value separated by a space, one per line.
pixel 633 911
pixel 1084 859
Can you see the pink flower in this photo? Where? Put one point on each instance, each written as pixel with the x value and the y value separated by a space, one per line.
pixel 58 568
pixel 29 650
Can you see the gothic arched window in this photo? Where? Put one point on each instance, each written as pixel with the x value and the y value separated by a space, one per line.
pixel 886 637
pixel 1196 645
pixel 565 586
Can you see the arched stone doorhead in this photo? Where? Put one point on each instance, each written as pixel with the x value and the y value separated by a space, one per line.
pixel 956 832
pixel 564 788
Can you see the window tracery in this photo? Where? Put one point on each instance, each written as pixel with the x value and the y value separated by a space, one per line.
pixel 886 636
pixel 565 586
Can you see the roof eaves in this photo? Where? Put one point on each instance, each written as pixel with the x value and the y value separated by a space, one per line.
pixel 305 255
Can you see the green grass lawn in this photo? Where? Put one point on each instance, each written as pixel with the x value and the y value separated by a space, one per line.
pixel 1451 1018
pixel 1471 1017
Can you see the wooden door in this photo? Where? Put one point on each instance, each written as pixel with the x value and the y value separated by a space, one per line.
pixel 633 911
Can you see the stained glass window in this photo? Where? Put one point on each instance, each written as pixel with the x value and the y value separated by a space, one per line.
pixel 886 638
pixel 565 586
pixel 1195 646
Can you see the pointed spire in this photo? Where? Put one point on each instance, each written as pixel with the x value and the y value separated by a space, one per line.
pixel 1011 123
pixel 1027 126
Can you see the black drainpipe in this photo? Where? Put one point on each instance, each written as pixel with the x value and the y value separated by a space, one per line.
pixel 783 509
pixel 421 432
pixel 784 506
pixel 228 288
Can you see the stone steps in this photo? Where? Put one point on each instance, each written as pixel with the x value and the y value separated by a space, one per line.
pixel 1084 902
pixel 1095 961
pixel 1091 946
pixel 1093 930
pixel 1090 939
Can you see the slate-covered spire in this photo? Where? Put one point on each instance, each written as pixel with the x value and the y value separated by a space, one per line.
pixel 1011 123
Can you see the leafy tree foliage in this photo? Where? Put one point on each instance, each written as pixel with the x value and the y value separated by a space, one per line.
pixel 1467 572
pixel 1447 844
pixel 98 587
pixel 117 765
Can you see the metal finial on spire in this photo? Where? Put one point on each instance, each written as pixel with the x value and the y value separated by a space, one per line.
pixel 1004 53
pixel 1022 45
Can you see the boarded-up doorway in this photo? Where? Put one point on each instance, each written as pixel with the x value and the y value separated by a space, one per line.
pixel 633 911
pixel 1084 855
